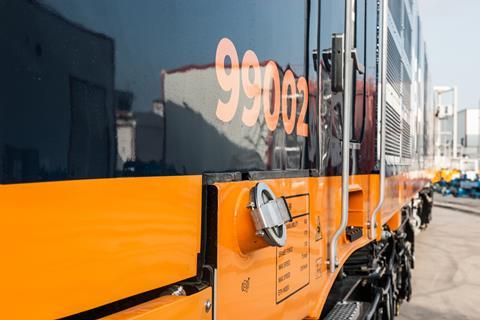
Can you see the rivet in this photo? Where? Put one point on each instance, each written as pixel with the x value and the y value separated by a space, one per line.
pixel 208 305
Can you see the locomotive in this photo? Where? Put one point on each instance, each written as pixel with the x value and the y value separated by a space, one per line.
pixel 212 159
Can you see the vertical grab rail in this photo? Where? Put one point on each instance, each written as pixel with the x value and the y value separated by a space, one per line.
pixel 347 108
pixel 383 125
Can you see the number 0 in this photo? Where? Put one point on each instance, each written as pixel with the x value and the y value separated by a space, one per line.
pixel 289 82
pixel 271 77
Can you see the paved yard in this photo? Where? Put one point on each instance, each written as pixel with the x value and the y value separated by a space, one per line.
pixel 447 272
pixel 473 204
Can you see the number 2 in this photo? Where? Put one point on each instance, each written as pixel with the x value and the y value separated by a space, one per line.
pixel 302 127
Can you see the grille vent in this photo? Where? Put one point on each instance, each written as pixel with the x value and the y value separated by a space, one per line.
pixel 393 133
pixel 406 140
pixel 406 90
pixel 407 37
pixel 395 7
pixel 394 64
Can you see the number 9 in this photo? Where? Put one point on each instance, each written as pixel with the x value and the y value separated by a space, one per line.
pixel 228 81
pixel 251 89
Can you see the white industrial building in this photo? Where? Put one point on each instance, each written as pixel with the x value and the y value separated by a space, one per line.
pixel 468 124
pixel 467 133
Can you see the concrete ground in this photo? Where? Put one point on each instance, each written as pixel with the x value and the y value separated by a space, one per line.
pixel 462 204
pixel 446 278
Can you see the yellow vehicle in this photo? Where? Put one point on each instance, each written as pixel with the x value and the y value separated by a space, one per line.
pixel 188 159
pixel 446 174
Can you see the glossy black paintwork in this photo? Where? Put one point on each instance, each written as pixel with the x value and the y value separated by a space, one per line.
pixel 102 88
pixel 363 124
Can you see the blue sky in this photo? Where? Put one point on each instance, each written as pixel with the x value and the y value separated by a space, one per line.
pixel 452 31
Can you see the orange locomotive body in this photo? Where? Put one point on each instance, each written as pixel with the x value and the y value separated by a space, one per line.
pixel 185 160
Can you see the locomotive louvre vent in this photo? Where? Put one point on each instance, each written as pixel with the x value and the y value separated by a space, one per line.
pixel 406 89
pixel 393 133
pixel 407 36
pixel 395 7
pixel 394 64
pixel 406 140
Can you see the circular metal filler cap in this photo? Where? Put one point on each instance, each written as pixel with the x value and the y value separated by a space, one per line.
pixel 269 215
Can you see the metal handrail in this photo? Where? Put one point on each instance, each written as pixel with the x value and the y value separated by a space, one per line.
pixel 383 124
pixel 347 108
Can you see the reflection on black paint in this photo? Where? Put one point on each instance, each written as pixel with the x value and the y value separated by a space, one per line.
pixel 91 90
pixel 57 80
pixel 331 21
pixel 362 158
pixel 89 150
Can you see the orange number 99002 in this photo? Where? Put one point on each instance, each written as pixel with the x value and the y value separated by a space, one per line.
pixel 229 81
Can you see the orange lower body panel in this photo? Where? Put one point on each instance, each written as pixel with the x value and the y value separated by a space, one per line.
pixel 72 246
pixel 290 282
pixel 77 245
pixel 293 282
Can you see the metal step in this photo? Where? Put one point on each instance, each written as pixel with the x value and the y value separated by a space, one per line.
pixel 345 310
